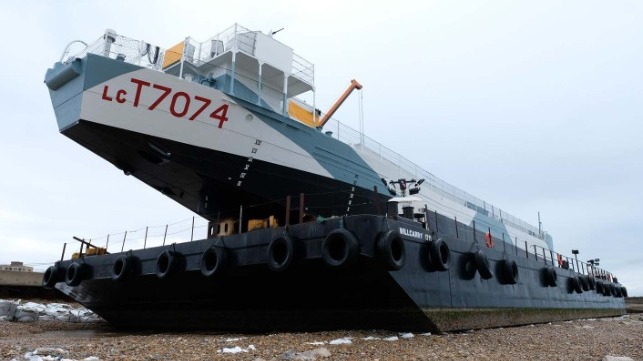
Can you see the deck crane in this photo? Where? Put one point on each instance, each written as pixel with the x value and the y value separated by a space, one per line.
pixel 353 85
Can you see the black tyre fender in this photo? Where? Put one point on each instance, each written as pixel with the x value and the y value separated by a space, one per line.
pixel 213 261
pixel 167 263
pixel 599 287
pixel 391 250
pixel 613 290
pixel 52 275
pixel 340 249
pixel 76 273
pixel 574 285
pixel 592 282
pixel 618 290
pixel 483 265
pixel 123 268
pixel 584 282
pixel 439 254
pixel 509 270
pixel 551 277
pixel 281 253
pixel 607 291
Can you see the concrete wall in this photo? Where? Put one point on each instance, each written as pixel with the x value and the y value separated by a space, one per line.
pixel 13 278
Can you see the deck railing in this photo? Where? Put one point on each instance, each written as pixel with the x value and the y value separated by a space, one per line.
pixel 194 228
pixel 353 137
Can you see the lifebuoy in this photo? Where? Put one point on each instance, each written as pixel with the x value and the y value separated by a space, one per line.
pixel 122 268
pixel 280 253
pixel 439 254
pixel 482 263
pixel 213 261
pixel 75 274
pixel 339 249
pixel 166 264
pixel 551 277
pixel 509 270
pixel 52 276
pixel 391 251
pixel 488 239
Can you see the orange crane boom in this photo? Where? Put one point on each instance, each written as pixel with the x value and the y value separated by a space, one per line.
pixel 354 85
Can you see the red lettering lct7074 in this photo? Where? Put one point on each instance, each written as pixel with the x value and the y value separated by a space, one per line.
pixel 181 104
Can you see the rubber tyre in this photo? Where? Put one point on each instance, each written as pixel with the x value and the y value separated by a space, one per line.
pixel 599 287
pixel 551 277
pixel 75 274
pixel 280 253
pixel 509 271
pixel 391 250
pixel 123 268
pixel 439 254
pixel 618 289
pixel 340 249
pixel 592 282
pixel 483 265
pixel 575 285
pixel 584 282
pixel 613 290
pixel 52 276
pixel 213 261
pixel 606 289
pixel 167 263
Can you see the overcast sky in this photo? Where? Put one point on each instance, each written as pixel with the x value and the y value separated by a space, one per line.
pixel 530 105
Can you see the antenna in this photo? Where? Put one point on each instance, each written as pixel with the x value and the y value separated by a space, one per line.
pixel 540 225
pixel 276 31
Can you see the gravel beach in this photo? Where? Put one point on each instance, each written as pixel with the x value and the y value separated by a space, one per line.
pixel 591 339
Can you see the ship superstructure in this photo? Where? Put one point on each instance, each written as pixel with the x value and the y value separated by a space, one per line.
pixel 217 124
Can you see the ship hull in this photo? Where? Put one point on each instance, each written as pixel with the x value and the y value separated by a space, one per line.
pixel 310 294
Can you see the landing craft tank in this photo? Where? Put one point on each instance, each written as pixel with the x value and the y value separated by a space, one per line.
pixel 216 126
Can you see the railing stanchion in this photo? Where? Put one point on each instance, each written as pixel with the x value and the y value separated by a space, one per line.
pixel 377 203
pixel 301 208
pixel 191 233
pixel 455 220
pixel 526 249
pixel 124 238
pixel 240 218
pixel 145 239
pixel 287 210
pixel 107 243
pixel 535 252
pixel 62 257
pixel 545 257
pixel 165 235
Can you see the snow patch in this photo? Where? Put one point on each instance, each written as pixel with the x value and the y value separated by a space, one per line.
pixel 341 341
pixel 236 349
